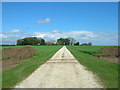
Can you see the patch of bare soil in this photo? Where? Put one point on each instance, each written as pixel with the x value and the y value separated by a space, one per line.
pixel 110 53
pixel 12 56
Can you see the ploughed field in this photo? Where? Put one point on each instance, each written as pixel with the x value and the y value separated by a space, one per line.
pixel 13 56
pixel 111 54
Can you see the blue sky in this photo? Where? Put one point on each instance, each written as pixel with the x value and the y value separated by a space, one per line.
pixel 52 20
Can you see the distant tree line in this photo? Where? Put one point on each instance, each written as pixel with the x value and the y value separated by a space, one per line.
pixel 86 44
pixel 31 41
pixel 7 45
pixel 41 41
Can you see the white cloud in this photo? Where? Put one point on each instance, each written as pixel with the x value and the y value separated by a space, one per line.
pixel 39 34
pixel 97 38
pixel 10 39
pixel 17 31
pixel 3 36
pixel 55 31
pixel 46 20
pixel 75 34
pixel 14 31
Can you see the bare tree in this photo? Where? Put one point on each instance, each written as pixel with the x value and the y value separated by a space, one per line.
pixel 72 41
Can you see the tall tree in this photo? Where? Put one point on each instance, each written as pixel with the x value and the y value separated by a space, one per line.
pixel 63 41
pixel 41 41
pixel 77 43
pixel 67 41
pixel 20 42
pixel 90 43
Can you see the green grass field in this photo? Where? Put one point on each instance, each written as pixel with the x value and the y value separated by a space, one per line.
pixel 105 70
pixel 91 50
pixel 0 80
pixel 25 68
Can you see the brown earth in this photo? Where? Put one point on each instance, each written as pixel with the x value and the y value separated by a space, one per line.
pixel 12 56
pixel 110 53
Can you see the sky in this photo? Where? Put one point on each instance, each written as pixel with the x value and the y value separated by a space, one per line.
pixel 95 22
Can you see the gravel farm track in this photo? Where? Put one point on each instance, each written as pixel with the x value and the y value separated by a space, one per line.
pixel 61 71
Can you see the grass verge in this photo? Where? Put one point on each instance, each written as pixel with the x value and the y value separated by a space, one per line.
pixel 15 75
pixel 105 70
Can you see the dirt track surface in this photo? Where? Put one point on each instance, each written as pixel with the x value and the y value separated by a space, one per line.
pixel 61 71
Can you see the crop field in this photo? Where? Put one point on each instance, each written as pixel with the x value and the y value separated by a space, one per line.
pixel 105 70
pixel 91 50
pixel 24 68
